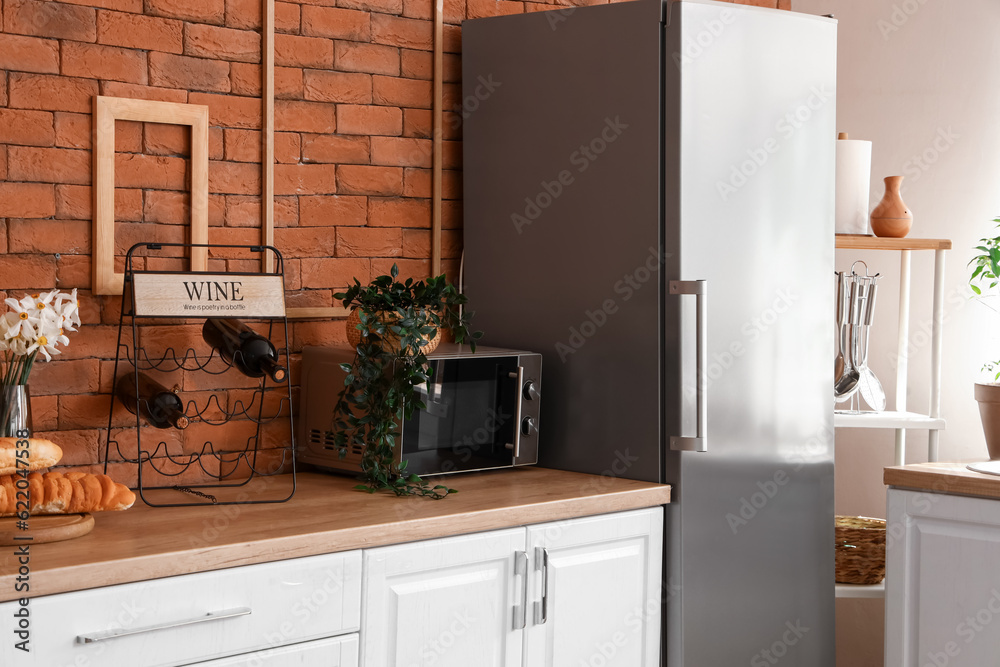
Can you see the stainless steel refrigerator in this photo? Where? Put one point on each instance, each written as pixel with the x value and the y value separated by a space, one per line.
pixel 649 197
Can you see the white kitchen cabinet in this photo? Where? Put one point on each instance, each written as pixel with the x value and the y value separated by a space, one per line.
pixel 575 592
pixel 336 652
pixel 943 590
pixel 595 591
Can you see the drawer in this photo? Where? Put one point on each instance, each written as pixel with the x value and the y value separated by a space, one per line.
pixel 337 652
pixel 167 622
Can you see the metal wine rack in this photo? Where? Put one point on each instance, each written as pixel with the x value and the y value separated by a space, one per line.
pixel 151 298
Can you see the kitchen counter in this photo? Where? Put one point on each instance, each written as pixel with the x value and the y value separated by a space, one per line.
pixel 950 478
pixel 324 516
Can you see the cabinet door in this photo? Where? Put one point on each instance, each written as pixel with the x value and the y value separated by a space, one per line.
pixel 447 602
pixel 595 591
pixel 336 652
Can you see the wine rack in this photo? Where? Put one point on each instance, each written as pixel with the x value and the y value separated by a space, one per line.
pixel 228 422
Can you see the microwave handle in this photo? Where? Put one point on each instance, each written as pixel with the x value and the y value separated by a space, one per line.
pixel 516 445
pixel 698 288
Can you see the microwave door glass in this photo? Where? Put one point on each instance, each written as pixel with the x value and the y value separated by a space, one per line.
pixel 468 419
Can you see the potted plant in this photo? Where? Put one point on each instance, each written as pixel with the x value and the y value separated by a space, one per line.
pixel 984 279
pixel 33 325
pixel 393 326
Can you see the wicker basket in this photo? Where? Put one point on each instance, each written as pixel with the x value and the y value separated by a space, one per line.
pixel 860 550
pixel 391 340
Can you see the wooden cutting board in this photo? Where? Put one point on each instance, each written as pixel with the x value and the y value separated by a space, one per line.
pixel 45 528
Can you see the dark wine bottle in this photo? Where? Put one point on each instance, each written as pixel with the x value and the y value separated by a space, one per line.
pixel 156 404
pixel 244 348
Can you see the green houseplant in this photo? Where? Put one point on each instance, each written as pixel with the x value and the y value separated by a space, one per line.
pixel 984 279
pixel 396 324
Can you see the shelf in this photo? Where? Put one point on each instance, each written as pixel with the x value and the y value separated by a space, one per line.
pixel 861 242
pixel 856 591
pixel 888 419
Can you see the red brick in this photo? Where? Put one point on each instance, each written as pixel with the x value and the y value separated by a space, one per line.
pixel 417 183
pixel 49 236
pixel 295 51
pixel 29 54
pixel 52 93
pixel 243 145
pixel 128 136
pixel 451 215
pixel 336 23
pixel 292 116
pixel 3 171
pixel 93 341
pixel 417 243
pixel 185 72
pixel 103 62
pixel 288 83
pixel 306 242
pixel 25 271
pixel 149 171
pixel 134 6
pixel 384 6
pixel 48 165
pixel 229 110
pixel 399 212
pixel 90 411
pixel 166 207
pixel 75 202
pixel 80 447
pixel 785 4
pixel 399 92
pixel 3 90
pixel 44 412
pixel 233 178
pixel 73 130
pixel 482 8
pixel 401 152
pixel 245 79
pixel 202 11
pixel 369 242
pixel 31 128
pixel 329 272
pixel 454 10
pixel 420 65
pixel 50 19
pixel 346 87
pixel 418 123
pixel 331 211
pixel 160 139
pixel 287 17
pixel 72 376
pixel 335 149
pixel 135 31
pixel 305 179
pixel 206 41
pixel 286 211
pixel 244 14
pixel 366 180
pixel 372 58
pixel 119 89
pixel 357 119
pixel 73 271
pixel 402 32
pixel 242 211
pixel 451 39
pixel 287 147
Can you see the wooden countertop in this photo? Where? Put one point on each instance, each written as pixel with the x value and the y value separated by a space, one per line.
pixel 951 478
pixel 324 516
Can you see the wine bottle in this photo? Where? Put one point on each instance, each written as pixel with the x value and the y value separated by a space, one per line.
pixel 244 348
pixel 156 404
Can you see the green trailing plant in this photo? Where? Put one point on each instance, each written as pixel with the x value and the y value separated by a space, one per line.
pixel 985 277
pixel 397 321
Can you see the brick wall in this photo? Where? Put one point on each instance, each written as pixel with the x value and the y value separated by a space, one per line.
pixel 352 179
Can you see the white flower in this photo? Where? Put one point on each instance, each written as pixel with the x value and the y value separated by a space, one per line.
pixel 67 305
pixel 45 346
pixel 25 318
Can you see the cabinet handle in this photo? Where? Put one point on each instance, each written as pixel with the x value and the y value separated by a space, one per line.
pixel 542 606
pixel 125 632
pixel 520 610
pixel 699 288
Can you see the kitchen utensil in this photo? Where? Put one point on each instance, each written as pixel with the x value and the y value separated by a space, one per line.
pixel 843 285
pixel 45 528
pixel 869 385
pixel 845 387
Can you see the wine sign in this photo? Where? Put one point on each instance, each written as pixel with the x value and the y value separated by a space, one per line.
pixel 208 295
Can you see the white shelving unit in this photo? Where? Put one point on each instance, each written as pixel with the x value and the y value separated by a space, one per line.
pixel 900 419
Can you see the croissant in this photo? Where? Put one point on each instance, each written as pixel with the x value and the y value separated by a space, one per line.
pixel 72 493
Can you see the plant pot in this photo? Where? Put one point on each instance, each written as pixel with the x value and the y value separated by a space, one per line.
pixel 390 342
pixel 988 396
pixel 15 411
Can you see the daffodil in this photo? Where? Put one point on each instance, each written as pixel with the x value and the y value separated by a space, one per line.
pixel 25 318
pixel 45 346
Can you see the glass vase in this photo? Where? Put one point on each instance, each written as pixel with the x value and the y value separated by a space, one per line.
pixel 15 411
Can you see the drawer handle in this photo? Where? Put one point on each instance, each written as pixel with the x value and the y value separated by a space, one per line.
pixel 125 632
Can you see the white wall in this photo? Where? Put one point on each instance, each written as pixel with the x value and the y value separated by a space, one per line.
pixel 919 78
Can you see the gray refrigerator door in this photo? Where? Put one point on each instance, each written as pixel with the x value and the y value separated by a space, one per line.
pixel 562 220
pixel 750 141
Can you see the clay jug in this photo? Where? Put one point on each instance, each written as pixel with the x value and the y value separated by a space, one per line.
pixel 891 217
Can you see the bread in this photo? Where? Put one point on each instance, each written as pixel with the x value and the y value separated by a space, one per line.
pixel 41 454
pixel 72 493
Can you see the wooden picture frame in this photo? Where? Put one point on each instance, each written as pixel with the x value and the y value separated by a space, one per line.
pixel 107 110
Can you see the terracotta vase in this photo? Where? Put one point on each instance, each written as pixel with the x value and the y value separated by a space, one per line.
pixel 891 218
pixel 988 396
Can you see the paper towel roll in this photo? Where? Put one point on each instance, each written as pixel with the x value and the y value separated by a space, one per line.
pixel 854 170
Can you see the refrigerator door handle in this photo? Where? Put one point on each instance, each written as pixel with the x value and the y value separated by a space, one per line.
pixel 699 288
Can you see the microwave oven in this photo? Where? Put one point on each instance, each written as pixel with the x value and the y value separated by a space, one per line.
pixel 481 411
